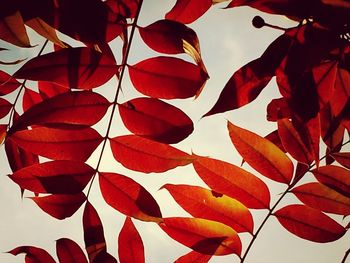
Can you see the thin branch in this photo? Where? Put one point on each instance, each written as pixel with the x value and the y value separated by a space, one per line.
pixel 347 253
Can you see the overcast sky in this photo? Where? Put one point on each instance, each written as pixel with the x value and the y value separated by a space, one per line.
pixel 228 41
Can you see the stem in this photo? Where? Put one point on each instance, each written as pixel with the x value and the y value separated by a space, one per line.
pixel 271 210
pixel 123 66
pixel 347 253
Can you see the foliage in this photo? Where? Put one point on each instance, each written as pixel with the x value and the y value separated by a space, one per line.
pixel 51 131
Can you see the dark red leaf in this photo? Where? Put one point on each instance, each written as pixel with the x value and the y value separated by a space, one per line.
pixel 33 254
pixel 309 223
pixel 341 94
pixel 5 107
pixel 129 197
pixel 60 206
pixel 167 78
pixel 81 68
pixel 156 120
pixel 278 109
pixel 104 257
pixel 342 158
pixel 55 177
pixel 12 30
pixel 58 144
pixel 7 83
pixel 130 246
pixel 188 11
pixel 30 98
pixel 147 156
pixel 193 257
pixel 300 170
pixel 69 252
pixel 49 89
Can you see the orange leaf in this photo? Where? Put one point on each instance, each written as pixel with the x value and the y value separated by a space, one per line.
pixel 309 223
pixel 233 181
pixel 323 198
pixel 147 156
pixel 79 68
pixel 156 120
pixel 202 235
pixel 33 254
pixel 335 177
pixel 193 257
pixel 59 144
pixel 342 158
pixel 167 78
pixel 12 30
pixel 188 11
pixel 261 154
pixel 130 246
pixel 204 203
pixel 60 206
pixel 69 252
pixel 128 197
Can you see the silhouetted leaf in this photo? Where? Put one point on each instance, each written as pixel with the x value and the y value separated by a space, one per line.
pixel 69 252
pixel 188 11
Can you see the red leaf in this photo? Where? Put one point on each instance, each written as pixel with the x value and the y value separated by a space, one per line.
pixel 104 257
pixel 93 232
pixel 33 254
pixel 13 30
pixel 81 68
pixel 60 206
pixel 293 142
pixel 193 257
pixel 233 181
pixel 321 197
pixel 30 98
pixel 58 144
pixel 5 107
pixel 202 235
pixel 80 108
pixel 49 89
pixel 342 158
pixel 204 203
pixel 167 78
pixel 309 223
pixel 3 132
pixel 278 109
pixel 261 154
pixel 335 177
pixel 7 83
pixel 69 252
pixel 130 246
pixel 156 120
pixel 55 177
pixel 275 139
pixel 143 155
pixel 341 93
pixel 128 197
pixel 188 11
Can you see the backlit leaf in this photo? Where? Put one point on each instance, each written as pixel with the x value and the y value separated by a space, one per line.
pixel 81 68
pixel 69 252
pixel 321 197
pixel 5 107
pixel 55 177
pixel 233 181
pixel 81 108
pixel 202 235
pixel 275 139
pixel 147 156
pixel 261 154
pixel 309 223
pixel 167 78
pixel 193 257
pixel 33 254
pixel 156 120
pixel 58 144
pixel 30 98
pixel 335 177
pixel 188 11
pixel 342 158
pixel 60 206
pixel 130 246
pixel 49 89
pixel 7 83
pixel 204 203
pixel 12 30
pixel 129 197
pixel 94 239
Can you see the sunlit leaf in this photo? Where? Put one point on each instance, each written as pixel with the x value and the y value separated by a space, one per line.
pixel 233 181
pixel 309 223
pixel 167 78
pixel 335 177
pixel 130 246
pixel 12 30
pixel 261 154
pixel 81 68
pixel 33 254
pixel 275 139
pixel 202 235
pixel 342 158
pixel 156 120
pixel 193 257
pixel 204 203
pixel 69 252
pixel 58 144
pixel 147 156
pixel 129 197
pixel 60 206
pixel 188 11
pixel 55 177
pixel 5 107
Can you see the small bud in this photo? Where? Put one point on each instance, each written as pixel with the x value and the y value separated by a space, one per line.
pixel 258 22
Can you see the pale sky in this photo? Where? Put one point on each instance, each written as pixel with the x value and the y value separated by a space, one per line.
pixel 228 41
